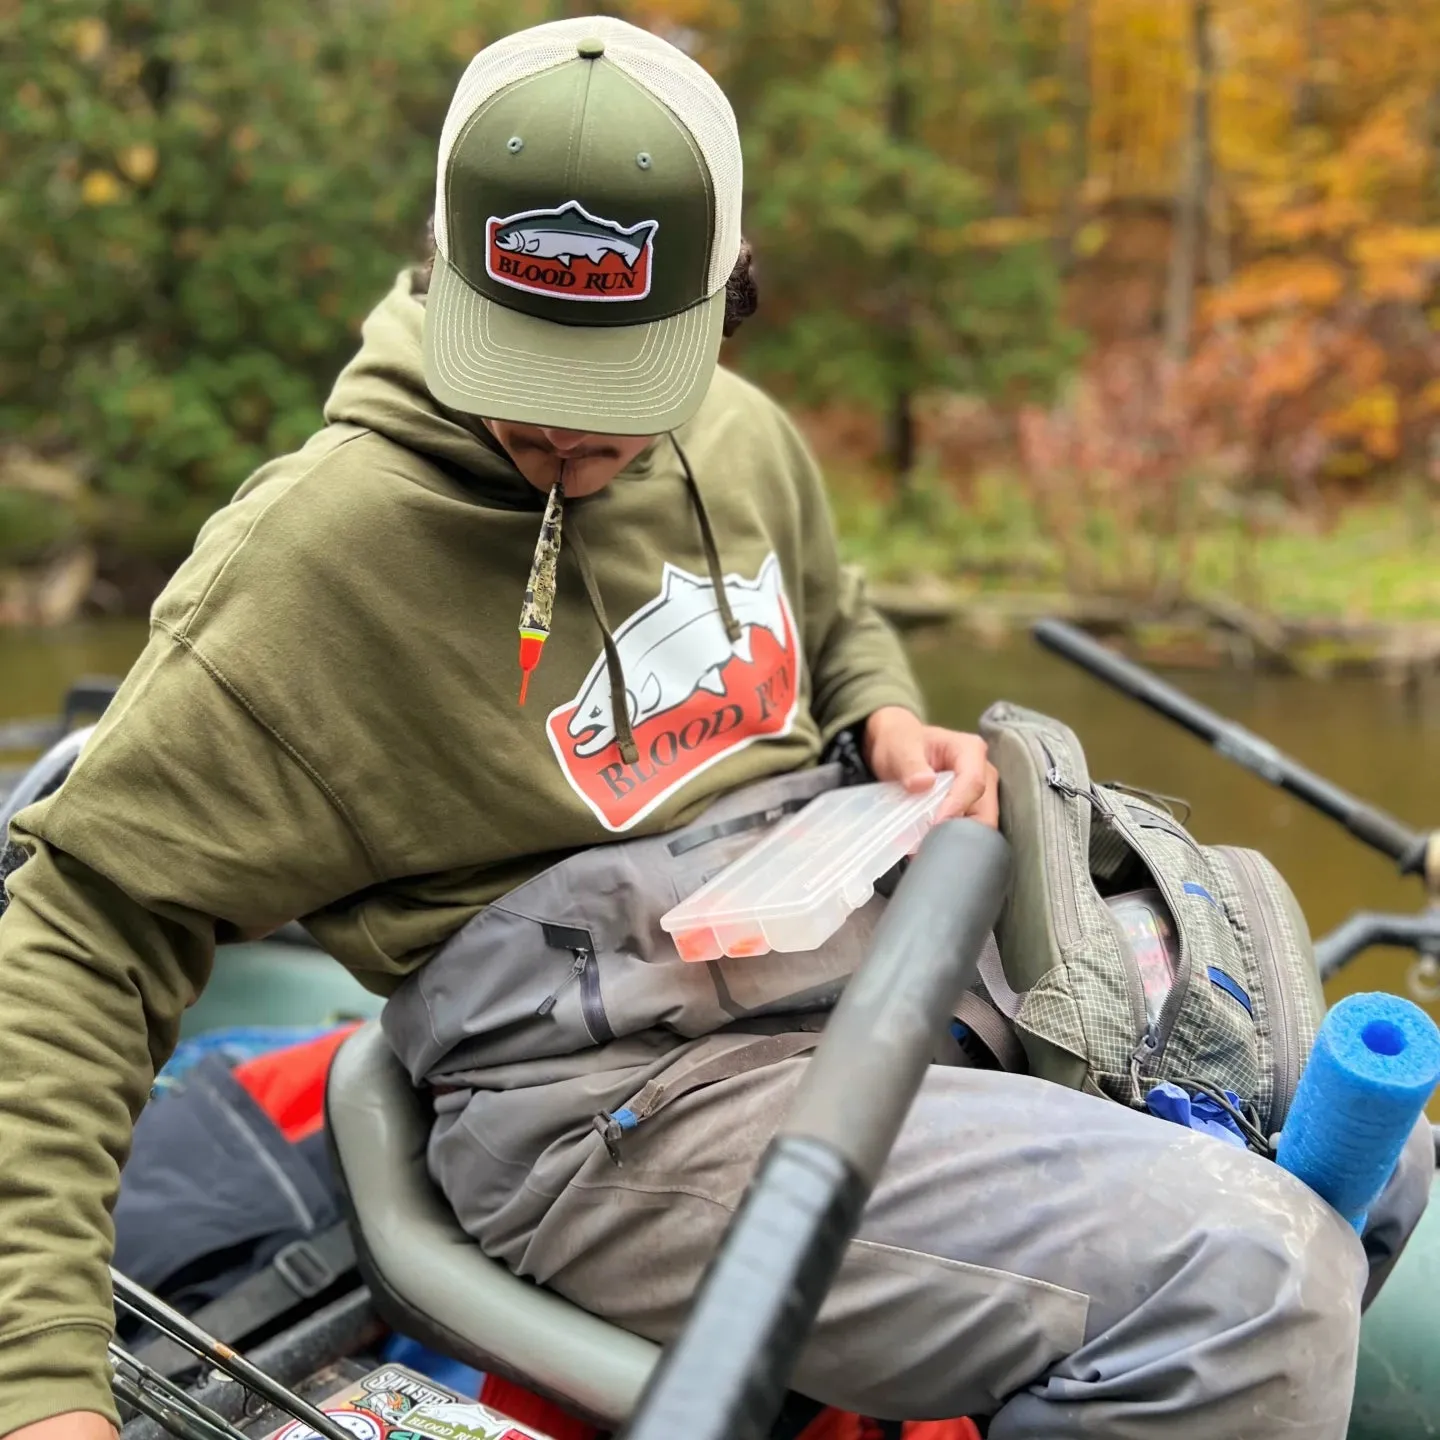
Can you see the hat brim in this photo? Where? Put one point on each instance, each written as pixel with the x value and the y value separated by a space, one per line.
pixel 485 359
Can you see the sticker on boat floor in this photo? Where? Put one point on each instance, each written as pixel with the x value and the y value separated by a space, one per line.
pixel 394 1403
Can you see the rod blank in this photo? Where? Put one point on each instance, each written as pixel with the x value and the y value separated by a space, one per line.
pixel 140 1302
pixel 1376 828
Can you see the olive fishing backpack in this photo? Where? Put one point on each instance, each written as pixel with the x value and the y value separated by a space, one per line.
pixel 1129 954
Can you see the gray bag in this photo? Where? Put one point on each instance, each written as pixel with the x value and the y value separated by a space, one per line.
pixel 1244 998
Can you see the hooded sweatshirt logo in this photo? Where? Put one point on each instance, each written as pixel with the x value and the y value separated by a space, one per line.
pixel 692 697
pixel 571 253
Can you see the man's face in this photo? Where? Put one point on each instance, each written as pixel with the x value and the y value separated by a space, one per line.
pixel 591 461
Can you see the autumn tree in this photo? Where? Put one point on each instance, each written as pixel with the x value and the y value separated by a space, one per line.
pixel 201 201
pixel 885 275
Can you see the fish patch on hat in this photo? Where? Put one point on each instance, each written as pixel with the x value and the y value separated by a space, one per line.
pixel 571 253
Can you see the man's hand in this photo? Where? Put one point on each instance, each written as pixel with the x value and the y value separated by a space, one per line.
pixel 899 747
pixel 76 1425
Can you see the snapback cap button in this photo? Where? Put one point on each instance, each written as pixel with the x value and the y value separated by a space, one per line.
pixel 590 48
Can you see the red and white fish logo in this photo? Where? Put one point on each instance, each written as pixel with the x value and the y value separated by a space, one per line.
pixel 570 253
pixel 691 695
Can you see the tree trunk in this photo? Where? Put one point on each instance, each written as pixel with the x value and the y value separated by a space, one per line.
pixel 1009 53
pixel 1307 94
pixel 900 422
pixel 1077 118
pixel 900 439
pixel 1192 192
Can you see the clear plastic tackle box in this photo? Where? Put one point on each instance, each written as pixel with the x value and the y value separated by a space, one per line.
pixel 799 884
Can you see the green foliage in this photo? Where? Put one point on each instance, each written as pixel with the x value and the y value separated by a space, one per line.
pixel 201 203
pixel 203 200
pixel 31 525
pixel 882 272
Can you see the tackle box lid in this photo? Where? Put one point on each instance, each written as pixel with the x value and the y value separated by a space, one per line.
pixel 797 886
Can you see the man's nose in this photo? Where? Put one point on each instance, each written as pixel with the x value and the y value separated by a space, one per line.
pixel 564 442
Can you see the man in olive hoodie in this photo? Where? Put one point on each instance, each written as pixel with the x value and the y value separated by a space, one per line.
pixel 326 725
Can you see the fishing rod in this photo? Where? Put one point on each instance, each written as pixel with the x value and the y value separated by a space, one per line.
pixel 1414 852
pixel 130 1378
pixel 160 1399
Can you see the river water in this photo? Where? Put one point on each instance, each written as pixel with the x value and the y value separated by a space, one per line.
pixel 1358 733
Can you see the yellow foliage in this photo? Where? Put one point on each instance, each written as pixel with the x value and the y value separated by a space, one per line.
pixel 1090 238
pixel 138 163
pixel 100 187
pixel 88 38
pixel 1001 231
pixel 1371 419
pixel 1396 262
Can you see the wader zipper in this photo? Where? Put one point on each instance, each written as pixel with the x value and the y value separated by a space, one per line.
pixel 577 969
pixel 592 1008
pixel 586 969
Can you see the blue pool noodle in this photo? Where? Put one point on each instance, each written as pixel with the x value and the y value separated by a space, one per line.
pixel 1375 1065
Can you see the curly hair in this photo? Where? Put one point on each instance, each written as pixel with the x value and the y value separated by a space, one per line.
pixel 742 296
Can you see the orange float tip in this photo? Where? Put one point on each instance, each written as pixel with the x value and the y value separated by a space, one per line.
pixel 532 642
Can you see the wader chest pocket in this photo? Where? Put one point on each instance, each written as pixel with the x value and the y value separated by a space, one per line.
pixel 575 957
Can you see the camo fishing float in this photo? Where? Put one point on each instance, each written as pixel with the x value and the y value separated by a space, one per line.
pixel 538 610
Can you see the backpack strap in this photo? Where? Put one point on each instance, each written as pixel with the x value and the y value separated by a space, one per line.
pixel 993 1031
pixel 992 1019
pixel 300 1271
pixel 992 971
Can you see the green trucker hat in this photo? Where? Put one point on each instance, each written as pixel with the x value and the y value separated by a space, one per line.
pixel 587 217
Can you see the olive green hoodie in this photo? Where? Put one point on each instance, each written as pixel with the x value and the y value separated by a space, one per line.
pixel 325 725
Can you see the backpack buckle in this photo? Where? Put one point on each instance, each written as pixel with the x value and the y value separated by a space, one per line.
pixel 304 1269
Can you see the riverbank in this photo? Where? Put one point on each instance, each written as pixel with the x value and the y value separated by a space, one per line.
pixel 1360 597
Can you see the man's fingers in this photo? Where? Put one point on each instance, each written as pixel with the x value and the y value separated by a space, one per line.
pixel 965 756
pixel 966 793
pixel 986 808
pixel 905 759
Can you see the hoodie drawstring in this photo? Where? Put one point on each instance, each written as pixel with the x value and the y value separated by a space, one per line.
pixel 619 691
pixel 540 593
pixel 707 541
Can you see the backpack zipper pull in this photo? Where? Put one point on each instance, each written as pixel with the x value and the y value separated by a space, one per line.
pixel 1141 1056
pixel 577 969
pixel 1056 781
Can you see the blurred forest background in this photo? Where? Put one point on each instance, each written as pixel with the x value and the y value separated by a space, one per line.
pixel 1134 303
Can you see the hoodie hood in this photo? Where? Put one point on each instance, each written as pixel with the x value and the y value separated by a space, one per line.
pixel 383 389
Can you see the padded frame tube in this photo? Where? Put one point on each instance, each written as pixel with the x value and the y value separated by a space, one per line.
pixel 726 1374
